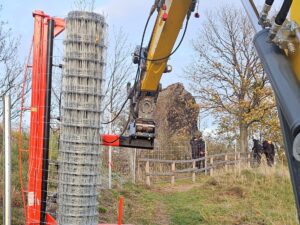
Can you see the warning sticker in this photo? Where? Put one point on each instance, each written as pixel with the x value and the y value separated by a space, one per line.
pixel 30 198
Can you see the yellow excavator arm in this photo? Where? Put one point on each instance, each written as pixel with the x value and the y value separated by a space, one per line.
pixel 295 58
pixel 152 62
pixel 167 27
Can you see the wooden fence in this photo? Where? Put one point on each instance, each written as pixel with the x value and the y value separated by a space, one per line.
pixel 212 162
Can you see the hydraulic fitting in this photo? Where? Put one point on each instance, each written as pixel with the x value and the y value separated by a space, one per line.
pixel 273 31
pixel 263 21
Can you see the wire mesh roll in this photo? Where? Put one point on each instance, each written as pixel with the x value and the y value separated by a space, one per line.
pixel 79 153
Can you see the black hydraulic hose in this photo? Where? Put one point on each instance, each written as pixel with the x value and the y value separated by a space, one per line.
pixel 175 50
pixel 254 8
pixel 285 8
pixel 120 135
pixel 280 18
pixel 137 76
pixel 269 2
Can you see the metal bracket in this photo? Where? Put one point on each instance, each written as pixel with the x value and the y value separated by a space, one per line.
pixel 287 37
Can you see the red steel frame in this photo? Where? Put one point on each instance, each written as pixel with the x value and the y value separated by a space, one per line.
pixel 38 93
pixel 36 141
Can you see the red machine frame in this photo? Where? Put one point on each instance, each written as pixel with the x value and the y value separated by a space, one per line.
pixel 37 124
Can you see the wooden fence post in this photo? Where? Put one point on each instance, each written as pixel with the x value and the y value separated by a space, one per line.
pixel 138 171
pixel 205 159
pixel 211 170
pixel 239 163
pixel 147 173
pixel 194 174
pixel 226 159
pixel 173 171
pixel 249 159
pixel 235 161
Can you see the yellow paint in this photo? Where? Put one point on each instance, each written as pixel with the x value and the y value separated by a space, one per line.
pixel 163 40
pixel 295 16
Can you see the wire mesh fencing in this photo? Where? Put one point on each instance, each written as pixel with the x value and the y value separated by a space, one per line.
pixel 79 150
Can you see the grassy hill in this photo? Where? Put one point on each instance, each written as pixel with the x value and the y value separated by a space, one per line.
pixel 261 196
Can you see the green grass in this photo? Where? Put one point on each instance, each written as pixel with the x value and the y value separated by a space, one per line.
pixel 261 196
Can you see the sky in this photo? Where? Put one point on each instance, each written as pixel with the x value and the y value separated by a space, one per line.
pixel 130 15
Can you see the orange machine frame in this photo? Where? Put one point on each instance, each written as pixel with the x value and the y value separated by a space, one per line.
pixel 38 95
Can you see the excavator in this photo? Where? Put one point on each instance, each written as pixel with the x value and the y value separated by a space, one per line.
pixel 277 42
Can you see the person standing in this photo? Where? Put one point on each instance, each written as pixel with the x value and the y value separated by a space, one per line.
pixel 198 149
pixel 257 151
pixel 201 147
pixel 194 147
pixel 269 151
pixel 272 153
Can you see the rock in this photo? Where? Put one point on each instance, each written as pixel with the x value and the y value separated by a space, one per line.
pixel 176 115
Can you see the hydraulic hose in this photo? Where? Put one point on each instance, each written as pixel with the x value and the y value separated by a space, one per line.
pixel 269 2
pixel 280 18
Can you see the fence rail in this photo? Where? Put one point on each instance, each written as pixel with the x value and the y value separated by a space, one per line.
pixel 211 162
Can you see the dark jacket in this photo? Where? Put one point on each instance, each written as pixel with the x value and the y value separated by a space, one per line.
pixel 198 148
pixel 257 148
pixel 268 148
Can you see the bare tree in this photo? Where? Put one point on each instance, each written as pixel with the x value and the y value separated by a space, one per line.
pixel 10 68
pixel 118 74
pixel 85 5
pixel 227 74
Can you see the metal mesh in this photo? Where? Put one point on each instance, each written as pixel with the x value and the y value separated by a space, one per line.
pixel 79 153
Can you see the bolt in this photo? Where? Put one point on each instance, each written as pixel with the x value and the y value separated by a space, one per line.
pixel 291 48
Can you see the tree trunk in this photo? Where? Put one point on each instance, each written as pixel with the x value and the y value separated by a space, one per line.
pixel 243 137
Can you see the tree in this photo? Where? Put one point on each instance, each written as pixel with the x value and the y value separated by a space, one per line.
pixel 10 68
pixel 118 74
pixel 227 74
pixel 85 5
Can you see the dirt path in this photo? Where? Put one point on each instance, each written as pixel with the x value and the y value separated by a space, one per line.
pixel 178 188
pixel 161 214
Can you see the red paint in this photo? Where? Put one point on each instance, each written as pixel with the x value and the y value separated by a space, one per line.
pixel 165 16
pixel 120 211
pixel 50 220
pixel 110 140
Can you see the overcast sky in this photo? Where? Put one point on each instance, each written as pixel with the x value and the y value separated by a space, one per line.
pixel 130 15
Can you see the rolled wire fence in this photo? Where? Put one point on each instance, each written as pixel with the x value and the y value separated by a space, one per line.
pixel 79 150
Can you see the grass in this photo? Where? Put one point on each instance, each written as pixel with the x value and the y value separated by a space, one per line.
pixel 260 196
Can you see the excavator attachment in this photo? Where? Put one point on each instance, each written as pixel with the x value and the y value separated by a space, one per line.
pixel 127 142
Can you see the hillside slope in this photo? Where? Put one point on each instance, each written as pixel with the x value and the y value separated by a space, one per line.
pixel 261 197
pixel 255 197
